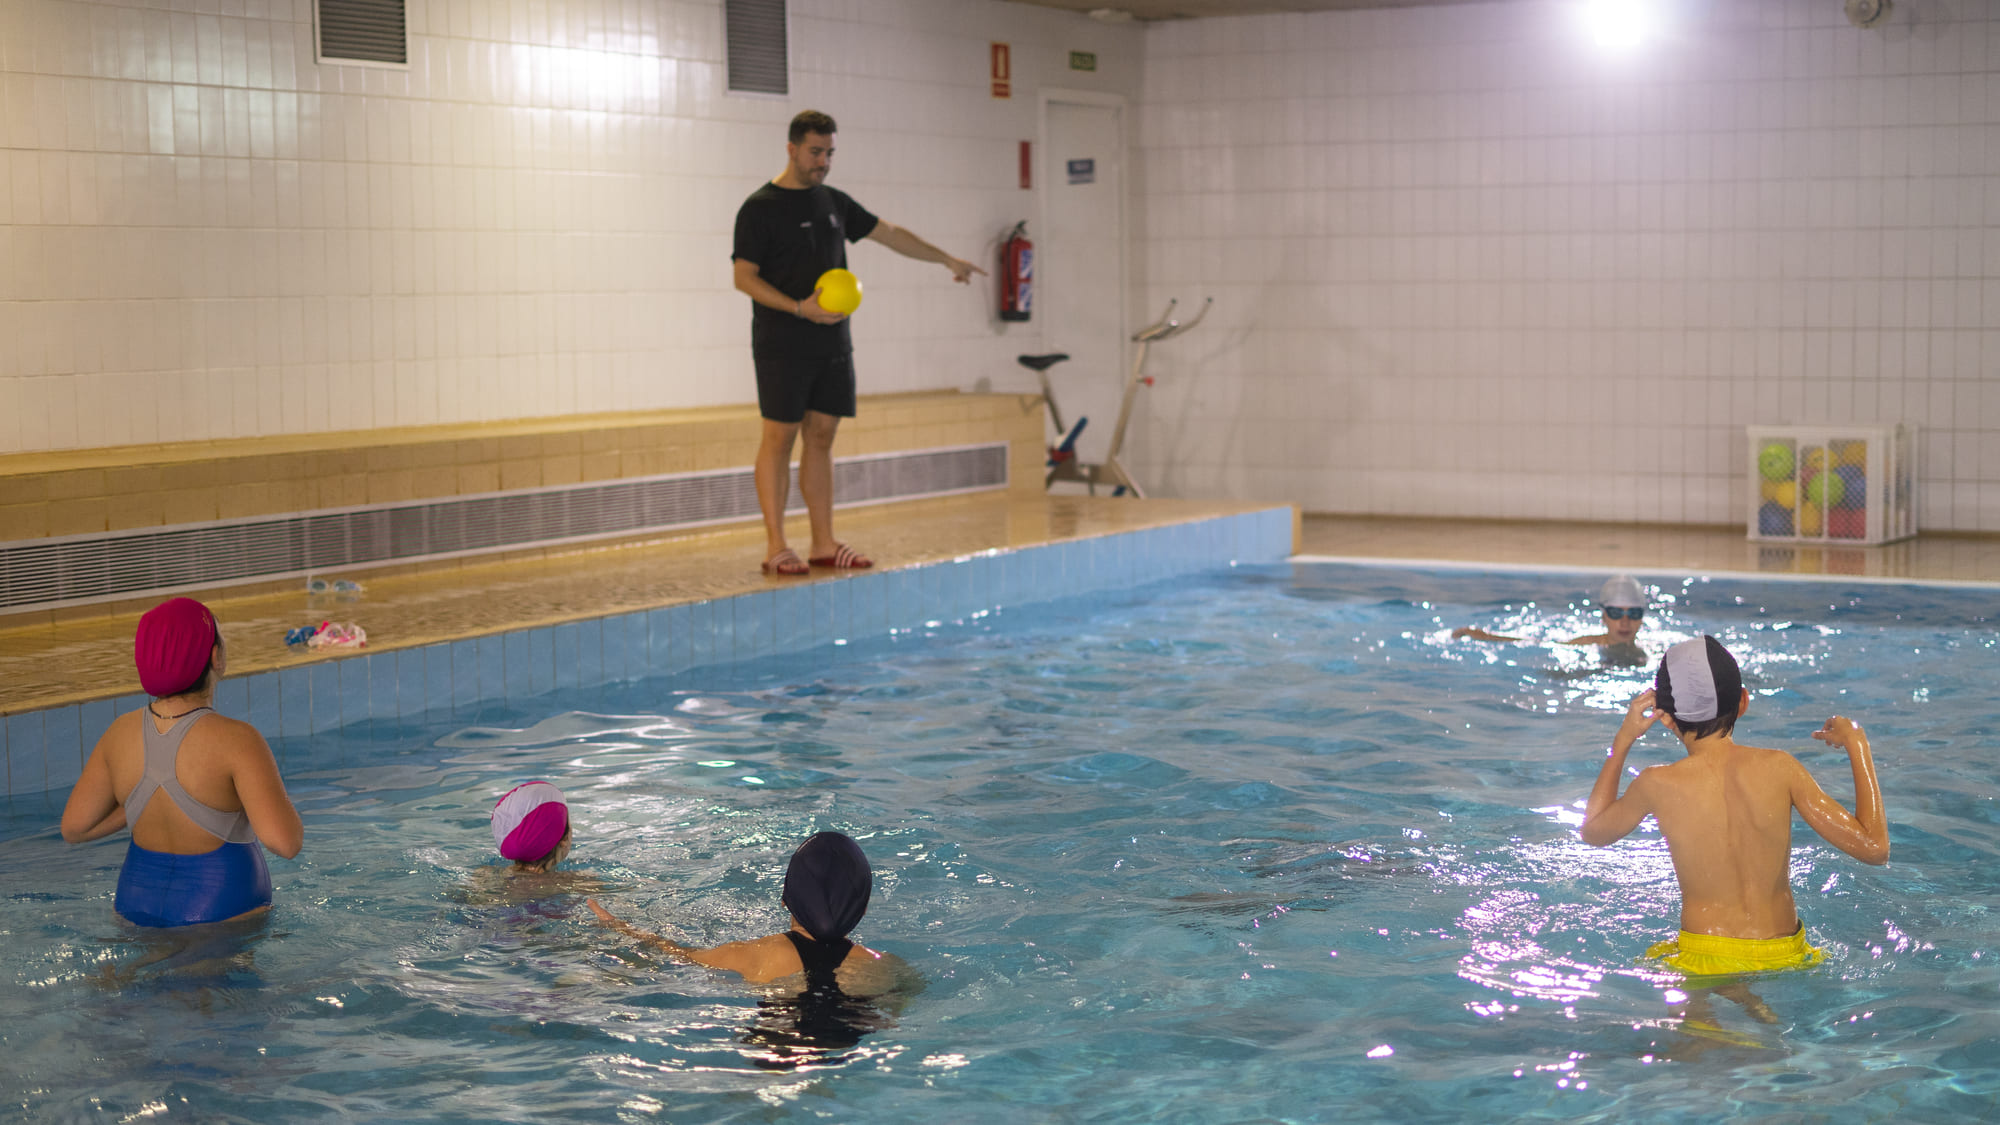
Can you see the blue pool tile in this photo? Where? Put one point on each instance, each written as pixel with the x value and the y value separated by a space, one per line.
pixel 700 629
pixel 567 661
pixel 324 699
pixel 791 618
pixel 356 701
pixel 96 716
pixel 386 674
pixel 756 617
pixel 465 668
pixel 899 594
pixel 232 697
pixel 663 629
pixel 436 682
pixel 612 645
pixel 27 766
pixel 492 654
pixel 867 616
pixel 294 702
pixel 590 655
pixel 830 603
pixel 721 632
pixel 62 734
pixel 264 704
pixel 541 660
pixel 517 672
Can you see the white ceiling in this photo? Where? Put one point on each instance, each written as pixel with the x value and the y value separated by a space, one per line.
pixel 1195 9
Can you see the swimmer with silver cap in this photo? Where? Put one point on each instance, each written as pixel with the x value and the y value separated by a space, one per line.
pixel 1726 812
pixel 1621 603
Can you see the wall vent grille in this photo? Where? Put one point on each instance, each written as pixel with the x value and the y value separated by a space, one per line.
pixel 374 31
pixel 759 52
pixel 78 570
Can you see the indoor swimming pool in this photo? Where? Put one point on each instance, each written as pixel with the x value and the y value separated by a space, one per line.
pixel 1262 844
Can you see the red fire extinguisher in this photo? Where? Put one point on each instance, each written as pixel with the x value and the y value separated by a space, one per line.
pixel 1017 274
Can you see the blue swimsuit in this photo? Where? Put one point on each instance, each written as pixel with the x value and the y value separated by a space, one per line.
pixel 163 889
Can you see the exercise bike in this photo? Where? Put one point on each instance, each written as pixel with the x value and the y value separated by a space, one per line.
pixel 1063 463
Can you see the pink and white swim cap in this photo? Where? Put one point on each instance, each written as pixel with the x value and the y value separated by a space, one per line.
pixel 529 821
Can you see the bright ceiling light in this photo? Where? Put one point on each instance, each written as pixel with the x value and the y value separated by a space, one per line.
pixel 1620 25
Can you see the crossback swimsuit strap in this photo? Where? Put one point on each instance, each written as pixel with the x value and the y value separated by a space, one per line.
pixel 163 749
pixel 821 959
pixel 164 889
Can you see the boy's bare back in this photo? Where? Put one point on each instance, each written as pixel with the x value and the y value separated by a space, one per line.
pixel 1726 813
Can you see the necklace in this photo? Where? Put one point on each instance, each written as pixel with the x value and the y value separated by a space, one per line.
pixel 171 718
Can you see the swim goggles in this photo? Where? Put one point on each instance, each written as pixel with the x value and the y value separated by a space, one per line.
pixel 1636 613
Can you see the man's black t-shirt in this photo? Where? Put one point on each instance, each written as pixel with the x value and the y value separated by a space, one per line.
pixel 793 235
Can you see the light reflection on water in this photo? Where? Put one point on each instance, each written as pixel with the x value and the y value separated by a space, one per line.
pixel 1272 846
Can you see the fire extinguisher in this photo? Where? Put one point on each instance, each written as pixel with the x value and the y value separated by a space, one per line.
pixel 1017 274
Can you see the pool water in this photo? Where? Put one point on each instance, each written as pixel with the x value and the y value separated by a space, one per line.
pixel 1263 845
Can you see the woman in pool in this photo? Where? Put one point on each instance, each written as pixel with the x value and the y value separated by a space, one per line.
pixel 826 889
pixel 194 857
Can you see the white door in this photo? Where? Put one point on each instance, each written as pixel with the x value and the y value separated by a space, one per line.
pixel 1080 263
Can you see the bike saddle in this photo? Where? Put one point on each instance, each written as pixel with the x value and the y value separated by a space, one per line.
pixel 1043 362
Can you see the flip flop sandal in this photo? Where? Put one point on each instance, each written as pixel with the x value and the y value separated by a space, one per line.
pixel 785 564
pixel 844 558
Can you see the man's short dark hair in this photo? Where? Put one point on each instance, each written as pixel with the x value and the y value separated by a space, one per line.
pixel 811 121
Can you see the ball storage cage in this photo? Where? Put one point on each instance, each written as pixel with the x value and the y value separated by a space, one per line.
pixel 1833 484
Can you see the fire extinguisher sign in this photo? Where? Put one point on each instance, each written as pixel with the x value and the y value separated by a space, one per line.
pixel 1003 72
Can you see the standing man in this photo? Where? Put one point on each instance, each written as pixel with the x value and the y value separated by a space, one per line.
pixel 788 233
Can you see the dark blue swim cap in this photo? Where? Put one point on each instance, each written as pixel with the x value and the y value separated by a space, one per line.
pixel 827 884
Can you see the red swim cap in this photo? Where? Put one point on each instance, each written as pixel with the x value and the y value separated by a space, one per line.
pixel 176 639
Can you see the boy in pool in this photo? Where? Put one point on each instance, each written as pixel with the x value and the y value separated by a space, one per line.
pixel 1726 813
pixel 1622 604
pixel 827 884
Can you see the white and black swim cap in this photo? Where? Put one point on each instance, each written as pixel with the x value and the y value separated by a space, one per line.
pixel 1697 681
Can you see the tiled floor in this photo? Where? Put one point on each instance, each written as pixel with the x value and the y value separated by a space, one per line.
pixel 46 666
pixel 49 665
pixel 1646 547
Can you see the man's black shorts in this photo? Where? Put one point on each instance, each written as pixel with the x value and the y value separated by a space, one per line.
pixel 788 386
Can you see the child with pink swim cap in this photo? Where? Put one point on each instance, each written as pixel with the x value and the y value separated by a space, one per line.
pixel 531 826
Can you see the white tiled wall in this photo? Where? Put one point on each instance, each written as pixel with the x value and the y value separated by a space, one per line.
pixel 1465 264
pixel 205 234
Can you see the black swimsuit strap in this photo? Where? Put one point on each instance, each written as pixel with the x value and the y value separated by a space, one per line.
pixel 820 958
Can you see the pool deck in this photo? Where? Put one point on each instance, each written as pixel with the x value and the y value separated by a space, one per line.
pixel 70 661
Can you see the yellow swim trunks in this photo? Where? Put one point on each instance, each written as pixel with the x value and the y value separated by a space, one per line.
pixel 1706 955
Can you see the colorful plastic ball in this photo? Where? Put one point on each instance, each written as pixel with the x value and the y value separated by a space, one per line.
pixel 839 291
pixel 1774 520
pixel 1855 479
pixel 1776 461
pixel 1847 523
pixel 1826 489
pixel 1809 519
pixel 1853 453
pixel 1813 459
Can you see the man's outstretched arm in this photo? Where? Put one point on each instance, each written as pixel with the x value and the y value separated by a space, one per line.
pixel 1607 817
pixel 906 243
pixel 1864 833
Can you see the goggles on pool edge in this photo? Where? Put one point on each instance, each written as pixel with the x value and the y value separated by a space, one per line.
pixel 1636 613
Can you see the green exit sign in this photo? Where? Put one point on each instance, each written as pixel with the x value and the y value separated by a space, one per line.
pixel 1083 60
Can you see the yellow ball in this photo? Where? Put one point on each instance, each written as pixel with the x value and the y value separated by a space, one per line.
pixel 1854 453
pixel 1809 519
pixel 838 291
pixel 1785 493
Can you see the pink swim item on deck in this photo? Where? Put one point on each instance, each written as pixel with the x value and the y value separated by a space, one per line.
pixel 172 648
pixel 529 821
